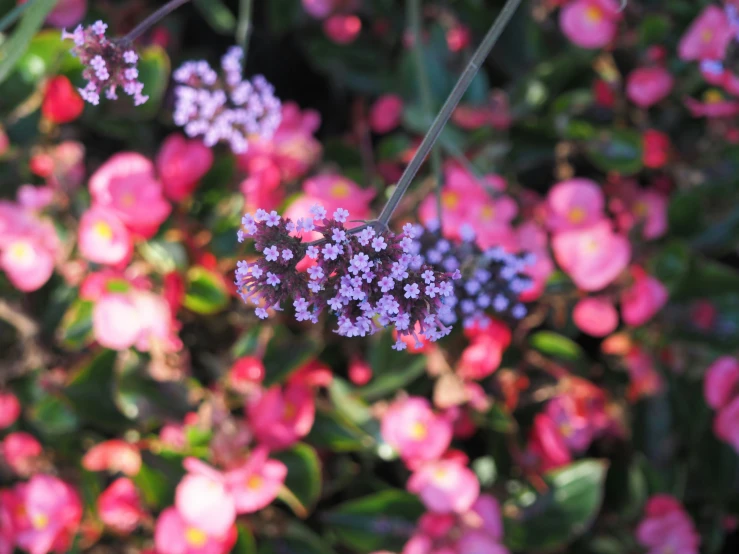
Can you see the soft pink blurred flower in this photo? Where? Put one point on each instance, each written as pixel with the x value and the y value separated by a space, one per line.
pixel 342 28
pixel 485 351
pixel 645 86
pixel 726 424
pixel 574 204
pixel 35 198
pixel 595 316
pixel 49 514
pixel 592 257
pixel 547 444
pixel 103 238
pixel 155 322
pixel 485 516
pixel 282 416
pixel 246 373
pixel 67 13
pixel 19 450
pixel 256 483
pixel 203 501
pixel 119 506
pixel 262 188
pixel 8 505
pixel 707 37
pixel 714 106
pixel 571 420
pixel 667 528
pixel 645 381
pixel 181 163
pixel 114 455
pixel 115 321
pixel 650 208
pixel 445 486
pixel 476 542
pixel 319 8
pixel 532 238
pixel 590 23
pixel 10 409
pixel 641 301
pixel 657 148
pixel 385 113
pixel 360 371
pixel 720 382
pixel 127 185
pixel 415 431
pixel 27 262
pixel 497 113
pixel 174 535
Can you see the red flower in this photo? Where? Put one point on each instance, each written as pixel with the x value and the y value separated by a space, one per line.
pixel 656 148
pixel 62 103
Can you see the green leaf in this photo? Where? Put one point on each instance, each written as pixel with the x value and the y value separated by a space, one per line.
pixel 14 47
pixel 303 478
pixel 686 212
pixel 245 543
pixel 618 150
pixel 671 265
pixel 217 15
pixel 52 416
pixel 331 430
pixel 75 330
pixel 154 68
pixel 381 521
pixel 205 293
pixel 295 539
pixel 285 354
pixel 391 370
pixel 556 345
pixel 549 521
pixel 155 486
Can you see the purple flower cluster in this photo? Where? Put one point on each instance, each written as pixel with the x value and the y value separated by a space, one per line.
pixel 108 65
pixel 225 108
pixel 492 280
pixel 368 279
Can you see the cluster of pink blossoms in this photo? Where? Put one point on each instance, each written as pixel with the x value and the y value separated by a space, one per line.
pixel 108 64
pixel 225 108
pixel 721 387
pixel 357 276
pixel 667 527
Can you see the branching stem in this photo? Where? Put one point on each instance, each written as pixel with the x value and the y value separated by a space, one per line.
pixel 153 19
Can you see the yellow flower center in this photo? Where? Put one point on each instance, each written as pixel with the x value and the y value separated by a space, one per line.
pixel 289 411
pixel 40 521
pixel 593 15
pixel 21 252
pixel 195 537
pixel 487 212
pixel 418 431
pixel 565 430
pixel 713 96
pixel 340 189
pixel 103 230
pixel 450 200
pixel 641 209
pixel 254 482
pixel 591 246
pixel 128 200
pixel 576 215
pixel 706 35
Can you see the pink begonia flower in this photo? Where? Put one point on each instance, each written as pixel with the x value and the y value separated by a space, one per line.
pixel 27 262
pixel 67 13
pixel 127 185
pixel 412 428
pixel 547 444
pixel 313 373
pixel 645 381
pixel 574 204
pixel 49 514
pixel 8 506
pixel 532 238
pixel 645 86
pixel 342 28
pixel 596 316
pixel 155 322
pixel 445 486
pixel 592 257
pixel 360 371
pixel 643 299
pixel 707 37
pixel 319 8
pixel 572 423
pixel 496 114
pixel 119 506
pixel 476 542
pixel 10 409
pixel 246 372
pixel 485 352
pixel 491 221
pixel 720 382
pixel 714 106
pixel 115 321
pixel 667 528
pixel 181 163
pixel 726 424
pixel 202 499
pixel 103 238
pixel 256 483
pixel 114 455
pixel 650 209
pixel 385 113
pixel 20 450
pixel 485 516
pixel 282 416
pixel 590 23
pixel 262 188
pixel 35 198
pixel 174 535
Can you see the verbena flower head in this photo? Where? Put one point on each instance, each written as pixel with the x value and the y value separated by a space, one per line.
pixel 368 279
pixel 492 280
pixel 226 107
pixel 108 64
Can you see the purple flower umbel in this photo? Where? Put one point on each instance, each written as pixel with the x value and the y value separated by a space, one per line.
pixel 108 64
pixel 226 107
pixel 366 283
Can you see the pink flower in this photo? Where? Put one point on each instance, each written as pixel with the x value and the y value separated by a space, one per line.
pixel 115 321
pixel 656 148
pixel 126 184
pixel 156 323
pixel 714 106
pixel 496 114
pixel 590 23
pixel 726 424
pixel 707 37
pixel 574 204
pixel 49 515
pixel 261 189
pixel 114 456
pixel 720 381
pixel 593 257
pixel 181 163
pixel 415 431
pixel 246 373
pixel 174 535
pixel 645 381
pixel 319 8
pixel 119 506
pixel 547 444
pixel 282 416
pixel 485 516
pixel 643 299
pixel 445 486
pixel 27 263
pixel 385 113
pixel 360 371
pixel 645 86
pixel 532 238
pixel 485 352
pixel 476 542
pixel 667 528
pixel 19 450
pixel 595 316
pixel 10 409
pixel 67 13
pixel 255 484
pixel 342 28
pixel 103 238
pixel 8 506
pixel 650 209
pixel 203 501
pixel 35 198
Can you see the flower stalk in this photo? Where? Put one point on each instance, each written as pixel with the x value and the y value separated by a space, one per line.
pixel 153 19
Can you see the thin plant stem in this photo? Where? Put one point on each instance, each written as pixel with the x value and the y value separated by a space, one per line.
pixel 243 29
pixel 414 16
pixel 432 135
pixel 153 19
pixel 14 14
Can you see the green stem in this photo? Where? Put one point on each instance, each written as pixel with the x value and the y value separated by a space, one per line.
pixel 414 16
pixel 243 29
pixel 14 14
pixel 441 119
pixel 153 19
